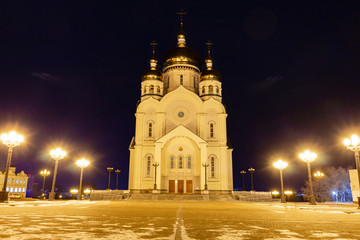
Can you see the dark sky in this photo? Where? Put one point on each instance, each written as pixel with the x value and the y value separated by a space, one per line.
pixel 70 74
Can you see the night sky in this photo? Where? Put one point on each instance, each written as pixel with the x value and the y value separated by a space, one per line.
pixel 70 74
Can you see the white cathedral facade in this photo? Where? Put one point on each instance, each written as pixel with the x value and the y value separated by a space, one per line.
pixel 180 134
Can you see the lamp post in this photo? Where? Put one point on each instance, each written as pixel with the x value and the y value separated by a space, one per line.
pixel 155 166
pixel 309 157
pixel 110 169
pixel 281 165
pixel 243 179
pixel 205 165
pixel 319 175
pixel 82 163
pixel 275 193
pixel 117 171
pixel 353 145
pixel 74 192
pixel 288 193
pixel 251 171
pixel 57 155
pixel 11 140
pixel 44 173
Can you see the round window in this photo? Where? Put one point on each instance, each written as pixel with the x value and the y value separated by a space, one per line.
pixel 181 114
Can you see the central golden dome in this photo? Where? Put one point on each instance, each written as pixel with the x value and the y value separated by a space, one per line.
pixel 181 55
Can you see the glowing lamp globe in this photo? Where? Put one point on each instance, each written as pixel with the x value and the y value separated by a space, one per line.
pixel 308 156
pixel 57 154
pixel 12 139
pixel 82 163
pixel 280 164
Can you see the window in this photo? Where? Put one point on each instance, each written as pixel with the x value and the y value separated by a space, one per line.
pixel 172 163
pixel 23 189
pixel 15 189
pixel 20 180
pixel 203 89
pixel 17 180
pixel 148 166
pixel 180 162
pixel 158 90
pixel 194 81
pixel 11 189
pixel 189 162
pixel 150 129
pixel 7 189
pixel 151 89
pixel 24 181
pixel 217 90
pixel 181 80
pixel 210 89
pixel 212 167
pixel 211 130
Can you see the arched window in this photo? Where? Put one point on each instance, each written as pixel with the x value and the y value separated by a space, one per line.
pixel 189 162
pixel 148 166
pixel 212 167
pixel 203 89
pixel 181 80
pixel 172 162
pixel 211 130
pixel 217 90
pixel 180 162
pixel 210 89
pixel 17 180
pixel 158 90
pixel 151 89
pixel 150 129
pixel 194 81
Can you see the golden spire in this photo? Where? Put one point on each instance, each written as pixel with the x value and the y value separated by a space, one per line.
pixel 208 60
pixel 153 60
pixel 181 34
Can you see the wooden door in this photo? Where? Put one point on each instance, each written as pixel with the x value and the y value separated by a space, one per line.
pixel 180 186
pixel 188 186
pixel 171 186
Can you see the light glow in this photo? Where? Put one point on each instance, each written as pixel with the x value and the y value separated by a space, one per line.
pixel 12 139
pixel 280 164
pixel 308 156
pixel 74 191
pixel 45 172
pixel 275 192
pixel 354 140
pixel 82 163
pixel 288 192
pixel 57 154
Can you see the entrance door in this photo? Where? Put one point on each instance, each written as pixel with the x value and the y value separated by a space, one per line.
pixel 188 186
pixel 180 186
pixel 171 186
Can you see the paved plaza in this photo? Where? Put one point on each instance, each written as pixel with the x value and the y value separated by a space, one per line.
pixel 177 220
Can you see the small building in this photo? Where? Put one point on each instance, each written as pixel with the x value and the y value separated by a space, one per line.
pixel 354 183
pixel 17 183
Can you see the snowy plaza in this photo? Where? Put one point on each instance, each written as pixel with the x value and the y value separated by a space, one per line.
pixel 177 220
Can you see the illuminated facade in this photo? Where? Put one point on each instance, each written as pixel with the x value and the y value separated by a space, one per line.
pixel 181 125
pixel 17 183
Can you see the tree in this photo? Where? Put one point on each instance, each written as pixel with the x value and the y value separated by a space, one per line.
pixel 334 186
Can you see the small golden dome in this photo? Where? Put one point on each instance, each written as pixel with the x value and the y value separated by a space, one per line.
pixel 181 55
pixel 209 73
pixel 152 73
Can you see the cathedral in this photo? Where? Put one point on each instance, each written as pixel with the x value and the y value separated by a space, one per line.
pixel 180 143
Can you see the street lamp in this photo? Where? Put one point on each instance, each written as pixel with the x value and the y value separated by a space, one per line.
pixel 353 145
pixel 205 165
pixel 251 171
pixel 44 173
pixel 11 140
pixel 288 193
pixel 117 171
pixel 243 178
pixel 319 175
pixel 74 192
pixel 281 165
pixel 57 155
pixel 275 193
pixel 155 166
pixel 82 163
pixel 110 170
pixel 309 157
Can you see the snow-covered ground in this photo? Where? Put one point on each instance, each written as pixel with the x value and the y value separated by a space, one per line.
pixel 176 220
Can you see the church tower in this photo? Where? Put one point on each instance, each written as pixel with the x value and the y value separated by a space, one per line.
pixel 180 142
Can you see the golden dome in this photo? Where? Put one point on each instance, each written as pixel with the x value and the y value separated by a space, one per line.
pixel 209 73
pixel 152 73
pixel 181 55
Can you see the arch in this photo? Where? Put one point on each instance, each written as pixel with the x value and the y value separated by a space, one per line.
pixel 158 90
pixel 148 162
pixel 172 162
pixel 188 162
pixel 180 162
pixel 211 89
pixel 151 89
pixel 213 166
